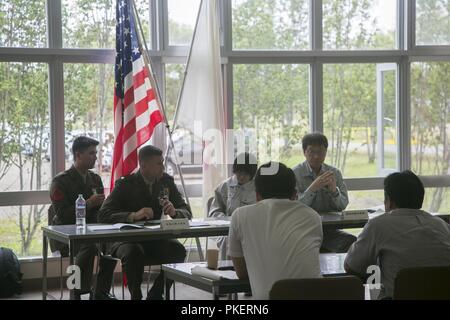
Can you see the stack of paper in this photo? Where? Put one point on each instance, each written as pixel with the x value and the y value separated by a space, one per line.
pixel 117 226
pixel 214 274
pixel 218 222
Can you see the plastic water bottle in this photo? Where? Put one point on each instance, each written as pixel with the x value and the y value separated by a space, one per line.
pixel 80 212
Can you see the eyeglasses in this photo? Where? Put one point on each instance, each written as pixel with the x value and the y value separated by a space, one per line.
pixel 316 152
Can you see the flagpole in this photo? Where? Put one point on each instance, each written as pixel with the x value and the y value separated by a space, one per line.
pixel 147 61
pixel 154 84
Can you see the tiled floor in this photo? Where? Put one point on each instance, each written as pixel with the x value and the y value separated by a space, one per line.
pixel 183 292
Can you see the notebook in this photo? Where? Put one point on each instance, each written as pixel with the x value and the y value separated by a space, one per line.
pixel 117 226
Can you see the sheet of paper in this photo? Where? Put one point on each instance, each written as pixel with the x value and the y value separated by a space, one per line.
pixel 198 224
pixel 218 222
pixel 102 227
pixel 116 226
pixel 152 227
pixel 214 274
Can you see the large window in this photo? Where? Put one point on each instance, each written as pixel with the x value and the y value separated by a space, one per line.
pixel 271 108
pixel 433 22
pixel 91 24
pixel 25 127
pixel 364 24
pixel 89 111
pixel 437 200
pixel 351 119
pixel 20 228
pixel 22 23
pixel 430 118
pixel 182 17
pixel 174 78
pixel 271 25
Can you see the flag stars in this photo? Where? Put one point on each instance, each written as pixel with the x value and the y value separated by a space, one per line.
pixel 136 50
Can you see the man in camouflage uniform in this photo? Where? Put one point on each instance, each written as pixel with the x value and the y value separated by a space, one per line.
pixel 64 191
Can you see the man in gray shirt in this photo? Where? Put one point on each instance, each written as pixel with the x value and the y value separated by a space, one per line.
pixel 322 188
pixel 403 237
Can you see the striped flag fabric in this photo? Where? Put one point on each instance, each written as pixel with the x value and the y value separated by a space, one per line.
pixel 136 109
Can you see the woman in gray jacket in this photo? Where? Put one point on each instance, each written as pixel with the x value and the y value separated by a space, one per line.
pixel 235 192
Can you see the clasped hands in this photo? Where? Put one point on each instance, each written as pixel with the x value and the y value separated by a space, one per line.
pixel 325 179
pixel 148 214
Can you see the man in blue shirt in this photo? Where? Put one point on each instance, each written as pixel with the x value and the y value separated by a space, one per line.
pixel 322 188
pixel 403 237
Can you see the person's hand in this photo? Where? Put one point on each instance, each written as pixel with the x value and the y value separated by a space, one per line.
pixel 95 200
pixel 332 184
pixel 324 179
pixel 143 214
pixel 168 208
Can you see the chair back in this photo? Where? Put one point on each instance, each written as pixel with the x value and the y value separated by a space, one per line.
pixel 329 288
pixel 423 283
pixel 208 205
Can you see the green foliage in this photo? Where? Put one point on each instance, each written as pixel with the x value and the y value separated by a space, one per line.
pixel 433 22
pixel 260 24
pixel 174 77
pixel 180 34
pixel 22 23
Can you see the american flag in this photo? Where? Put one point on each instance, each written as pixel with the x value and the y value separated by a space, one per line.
pixel 136 111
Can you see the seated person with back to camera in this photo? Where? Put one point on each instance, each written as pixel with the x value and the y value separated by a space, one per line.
pixel 403 237
pixel 276 238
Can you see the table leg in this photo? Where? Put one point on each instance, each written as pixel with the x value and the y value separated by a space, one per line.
pixel 166 288
pixel 173 285
pixel 44 266
pixel 97 266
pixel 199 250
pixel 71 263
pixel 215 292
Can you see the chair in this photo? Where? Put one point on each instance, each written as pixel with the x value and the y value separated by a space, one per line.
pixel 57 246
pixel 208 205
pixel 423 283
pixel 329 288
pixel 149 262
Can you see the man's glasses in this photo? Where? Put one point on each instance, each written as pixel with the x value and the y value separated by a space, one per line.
pixel 316 152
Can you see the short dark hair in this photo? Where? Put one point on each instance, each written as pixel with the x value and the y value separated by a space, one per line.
pixel 245 163
pixel 81 144
pixel 404 189
pixel 148 151
pixel 280 185
pixel 315 138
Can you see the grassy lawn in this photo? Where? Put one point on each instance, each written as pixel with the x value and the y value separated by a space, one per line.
pixel 10 237
pixel 357 164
